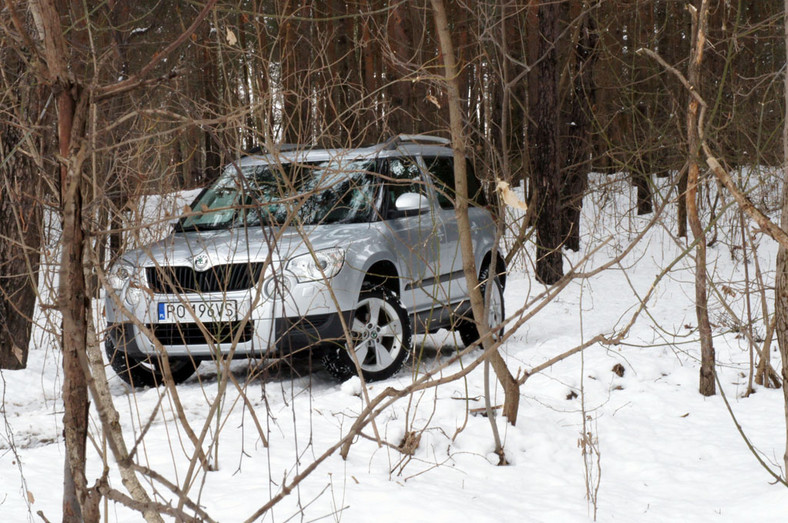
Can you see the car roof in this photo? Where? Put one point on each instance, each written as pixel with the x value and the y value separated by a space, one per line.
pixel 401 145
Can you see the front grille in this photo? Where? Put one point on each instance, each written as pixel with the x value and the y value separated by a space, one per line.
pixel 191 334
pixel 220 278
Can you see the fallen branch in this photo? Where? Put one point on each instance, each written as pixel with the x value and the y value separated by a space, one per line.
pixel 773 474
pixel 763 221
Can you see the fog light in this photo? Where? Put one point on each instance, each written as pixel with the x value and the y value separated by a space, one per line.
pixel 276 286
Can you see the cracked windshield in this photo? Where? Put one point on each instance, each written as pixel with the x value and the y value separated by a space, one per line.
pixel 335 191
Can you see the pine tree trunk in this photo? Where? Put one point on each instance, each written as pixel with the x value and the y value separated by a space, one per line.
pixel 295 55
pixel 643 183
pixel 401 107
pixel 547 159
pixel 20 211
pixel 781 283
pixel 20 240
pixel 579 132
pixel 370 54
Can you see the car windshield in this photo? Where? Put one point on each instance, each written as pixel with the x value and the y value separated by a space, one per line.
pixel 334 191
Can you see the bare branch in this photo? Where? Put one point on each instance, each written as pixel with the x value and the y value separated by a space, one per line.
pixel 139 79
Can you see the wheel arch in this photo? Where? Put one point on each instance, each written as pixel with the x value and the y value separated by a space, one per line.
pixel 382 273
pixel 500 266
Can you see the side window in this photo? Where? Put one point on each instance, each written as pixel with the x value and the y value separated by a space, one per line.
pixel 475 190
pixel 442 170
pixel 405 177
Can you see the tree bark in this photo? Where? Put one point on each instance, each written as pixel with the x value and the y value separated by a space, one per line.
pixel 682 204
pixel 78 503
pixel 510 387
pixel 642 182
pixel 370 55
pixel 20 217
pixel 547 158
pixel 781 283
pixel 295 53
pixel 578 141
pixel 707 384
pixel 74 306
pixel 401 109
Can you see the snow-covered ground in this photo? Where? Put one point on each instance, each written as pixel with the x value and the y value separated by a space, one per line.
pixel 665 453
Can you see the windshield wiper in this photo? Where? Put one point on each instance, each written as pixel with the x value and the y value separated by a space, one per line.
pixel 202 227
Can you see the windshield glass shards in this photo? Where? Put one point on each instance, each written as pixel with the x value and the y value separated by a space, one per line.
pixel 334 191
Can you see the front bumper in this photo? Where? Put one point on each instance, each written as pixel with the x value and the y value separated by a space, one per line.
pixel 211 340
pixel 308 315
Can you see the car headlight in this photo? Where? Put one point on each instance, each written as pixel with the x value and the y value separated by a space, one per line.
pixel 317 265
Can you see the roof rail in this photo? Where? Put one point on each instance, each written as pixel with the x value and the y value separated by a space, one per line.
pixel 277 147
pixel 400 139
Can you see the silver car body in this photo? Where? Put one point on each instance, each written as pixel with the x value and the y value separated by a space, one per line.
pixel 423 247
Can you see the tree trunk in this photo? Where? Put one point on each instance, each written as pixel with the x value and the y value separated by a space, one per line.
pixel 707 385
pixel 578 141
pixel 781 283
pixel 643 183
pixel 682 204
pixel 211 95
pixel 78 502
pixel 73 304
pixel 547 159
pixel 370 54
pixel 295 54
pixel 20 221
pixel 400 110
pixel 672 43
pixel 510 387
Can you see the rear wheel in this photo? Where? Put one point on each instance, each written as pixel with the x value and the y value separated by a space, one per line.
pixel 469 333
pixel 146 372
pixel 380 338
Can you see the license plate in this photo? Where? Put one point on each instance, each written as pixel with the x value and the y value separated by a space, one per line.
pixel 204 311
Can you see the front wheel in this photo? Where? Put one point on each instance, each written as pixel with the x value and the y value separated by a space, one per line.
pixel 146 372
pixel 380 338
pixel 469 333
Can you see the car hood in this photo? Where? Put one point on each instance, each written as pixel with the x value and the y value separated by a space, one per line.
pixel 241 245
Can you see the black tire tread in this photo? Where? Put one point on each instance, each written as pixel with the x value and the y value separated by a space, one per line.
pixel 466 327
pixel 145 373
pixel 337 361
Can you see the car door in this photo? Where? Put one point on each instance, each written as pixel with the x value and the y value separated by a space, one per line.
pixel 453 287
pixel 415 234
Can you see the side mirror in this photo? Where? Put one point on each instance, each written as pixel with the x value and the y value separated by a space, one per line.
pixel 411 201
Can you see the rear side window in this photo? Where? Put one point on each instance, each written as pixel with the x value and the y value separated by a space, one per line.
pixel 442 170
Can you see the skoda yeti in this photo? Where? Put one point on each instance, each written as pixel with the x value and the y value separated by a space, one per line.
pixel 345 251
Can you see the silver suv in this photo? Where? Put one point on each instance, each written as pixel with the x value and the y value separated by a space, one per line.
pixel 345 251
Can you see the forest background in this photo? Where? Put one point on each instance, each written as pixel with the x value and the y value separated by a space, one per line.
pixel 103 104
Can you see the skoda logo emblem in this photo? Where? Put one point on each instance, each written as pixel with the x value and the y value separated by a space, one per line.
pixel 200 262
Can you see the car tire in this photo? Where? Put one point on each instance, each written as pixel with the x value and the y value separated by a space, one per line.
pixel 466 326
pixel 146 372
pixel 381 336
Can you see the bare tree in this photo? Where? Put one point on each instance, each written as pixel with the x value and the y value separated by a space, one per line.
pixel 781 278
pixel 578 137
pixel 547 154
pixel 66 72
pixel 21 180
pixel 511 389
pixel 335 73
pixel 694 123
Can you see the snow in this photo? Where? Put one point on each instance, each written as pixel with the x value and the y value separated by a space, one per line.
pixel 666 453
